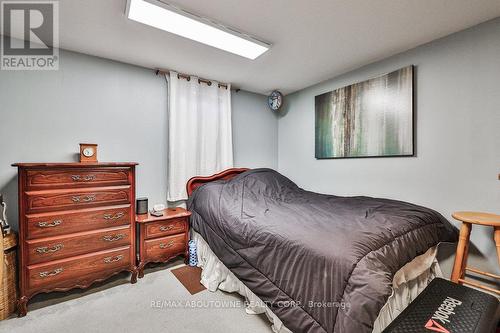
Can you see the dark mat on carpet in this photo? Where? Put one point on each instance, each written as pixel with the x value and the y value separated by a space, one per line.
pixel 190 278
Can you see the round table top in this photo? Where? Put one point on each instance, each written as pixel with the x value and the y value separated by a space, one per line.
pixel 478 218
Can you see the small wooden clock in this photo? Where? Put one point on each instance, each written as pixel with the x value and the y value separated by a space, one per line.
pixel 88 153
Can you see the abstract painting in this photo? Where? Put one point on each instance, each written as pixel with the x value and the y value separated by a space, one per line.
pixel 373 118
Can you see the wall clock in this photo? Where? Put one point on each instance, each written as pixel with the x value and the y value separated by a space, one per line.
pixel 275 100
pixel 88 152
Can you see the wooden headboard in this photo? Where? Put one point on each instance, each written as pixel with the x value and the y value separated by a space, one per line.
pixel 195 182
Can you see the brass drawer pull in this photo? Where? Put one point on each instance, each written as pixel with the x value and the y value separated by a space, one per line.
pixel 51 273
pixel 166 228
pixel 166 246
pixel 110 238
pixel 111 217
pixel 55 223
pixel 109 260
pixel 87 198
pixel 46 249
pixel 86 178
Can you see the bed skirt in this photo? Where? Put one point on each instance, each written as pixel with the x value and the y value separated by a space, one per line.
pixel 408 282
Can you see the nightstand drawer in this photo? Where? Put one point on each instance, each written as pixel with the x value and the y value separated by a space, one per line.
pixel 167 227
pixel 164 237
pixel 162 249
pixel 45 179
pixel 76 244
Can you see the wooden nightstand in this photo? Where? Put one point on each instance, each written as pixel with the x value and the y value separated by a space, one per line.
pixel 162 238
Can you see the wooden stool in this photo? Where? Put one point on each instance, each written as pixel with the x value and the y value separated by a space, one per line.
pixel 459 267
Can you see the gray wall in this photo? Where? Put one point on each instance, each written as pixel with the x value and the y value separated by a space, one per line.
pixel 458 135
pixel 44 115
pixel 255 131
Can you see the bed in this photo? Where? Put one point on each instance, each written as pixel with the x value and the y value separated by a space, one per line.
pixel 312 262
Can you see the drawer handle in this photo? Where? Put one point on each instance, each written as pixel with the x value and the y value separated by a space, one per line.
pixel 109 260
pixel 46 249
pixel 112 217
pixel 86 178
pixel 87 198
pixel 51 273
pixel 110 238
pixel 55 223
pixel 166 228
pixel 166 246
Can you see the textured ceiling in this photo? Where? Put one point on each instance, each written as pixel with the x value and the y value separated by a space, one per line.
pixel 312 40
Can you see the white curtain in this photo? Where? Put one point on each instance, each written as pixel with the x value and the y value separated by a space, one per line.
pixel 199 132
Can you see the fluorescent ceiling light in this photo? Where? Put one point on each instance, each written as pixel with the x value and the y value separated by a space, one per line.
pixel 176 21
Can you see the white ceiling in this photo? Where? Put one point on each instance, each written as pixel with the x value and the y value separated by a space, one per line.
pixel 313 40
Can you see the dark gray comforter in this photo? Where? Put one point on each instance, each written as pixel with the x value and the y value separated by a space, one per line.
pixel 323 263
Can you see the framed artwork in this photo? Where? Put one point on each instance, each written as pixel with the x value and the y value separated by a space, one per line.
pixel 373 118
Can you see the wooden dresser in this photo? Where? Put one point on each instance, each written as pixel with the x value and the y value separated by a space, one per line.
pixel 162 238
pixel 76 225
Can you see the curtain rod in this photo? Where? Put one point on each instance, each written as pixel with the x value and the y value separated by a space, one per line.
pixel 188 77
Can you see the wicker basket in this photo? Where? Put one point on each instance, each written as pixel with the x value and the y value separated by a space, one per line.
pixel 8 288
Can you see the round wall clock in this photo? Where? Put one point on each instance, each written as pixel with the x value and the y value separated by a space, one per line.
pixel 275 100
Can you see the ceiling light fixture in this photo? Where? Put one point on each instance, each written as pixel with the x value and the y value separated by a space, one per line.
pixel 179 22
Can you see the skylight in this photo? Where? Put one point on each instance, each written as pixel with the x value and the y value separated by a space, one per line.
pixel 178 22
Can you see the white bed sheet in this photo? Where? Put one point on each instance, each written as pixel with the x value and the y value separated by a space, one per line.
pixel 408 282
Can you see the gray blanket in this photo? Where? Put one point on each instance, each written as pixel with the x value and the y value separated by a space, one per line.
pixel 322 263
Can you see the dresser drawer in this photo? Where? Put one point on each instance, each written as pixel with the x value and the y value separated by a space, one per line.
pixel 161 249
pixel 61 223
pixel 75 244
pixel 77 271
pixel 164 228
pixel 76 198
pixel 74 177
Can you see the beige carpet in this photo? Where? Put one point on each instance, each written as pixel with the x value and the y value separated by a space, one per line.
pixel 157 303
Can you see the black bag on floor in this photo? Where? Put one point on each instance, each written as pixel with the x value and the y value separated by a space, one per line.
pixel 447 307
